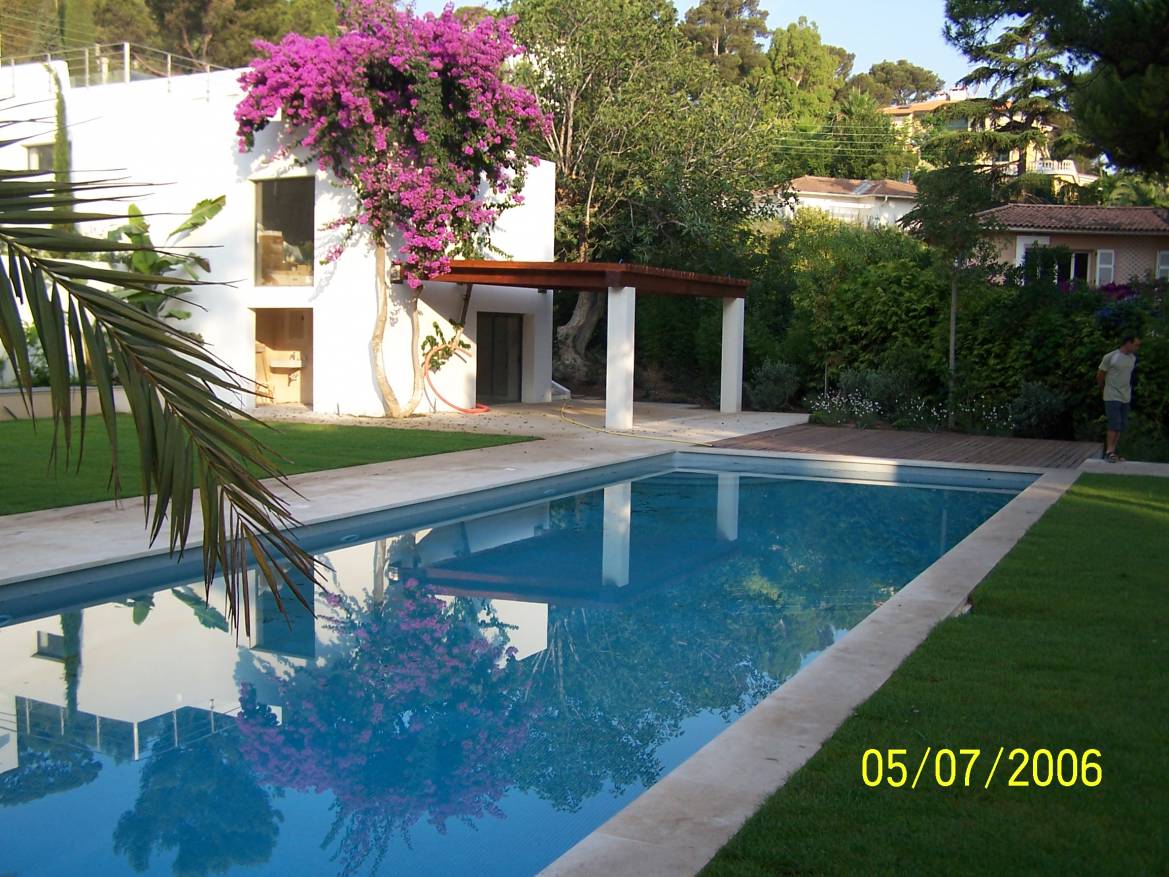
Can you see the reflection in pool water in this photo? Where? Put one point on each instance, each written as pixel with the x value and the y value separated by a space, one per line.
pixel 473 697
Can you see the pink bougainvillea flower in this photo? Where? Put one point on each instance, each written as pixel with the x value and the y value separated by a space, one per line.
pixel 413 113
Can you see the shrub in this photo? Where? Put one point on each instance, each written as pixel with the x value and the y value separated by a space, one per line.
pixel 981 415
pixel 892 393
pixel 773 386
pixel 1036 411
pixel 920 413
pixel 837 409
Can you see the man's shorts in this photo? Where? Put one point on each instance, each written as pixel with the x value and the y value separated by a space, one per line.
pixel 1117 415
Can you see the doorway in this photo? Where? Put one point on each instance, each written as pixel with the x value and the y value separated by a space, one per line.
pixel 284 356
pixel 500 351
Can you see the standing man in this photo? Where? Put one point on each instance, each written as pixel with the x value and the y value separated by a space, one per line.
pixel 1115 379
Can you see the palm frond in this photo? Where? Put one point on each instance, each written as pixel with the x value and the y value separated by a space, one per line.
pixel 194 451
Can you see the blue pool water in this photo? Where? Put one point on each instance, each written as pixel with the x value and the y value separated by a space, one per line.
pixel 473 696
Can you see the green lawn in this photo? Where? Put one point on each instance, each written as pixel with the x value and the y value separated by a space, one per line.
pixel 1067 646
pixel 27 483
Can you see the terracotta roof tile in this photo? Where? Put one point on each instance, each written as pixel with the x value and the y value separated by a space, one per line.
pixel 844 186
pixel 1061 217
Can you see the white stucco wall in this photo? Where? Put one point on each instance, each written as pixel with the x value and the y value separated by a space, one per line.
pixel 860 209
pixel 180 134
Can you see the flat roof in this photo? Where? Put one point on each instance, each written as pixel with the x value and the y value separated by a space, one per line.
pixel 592 277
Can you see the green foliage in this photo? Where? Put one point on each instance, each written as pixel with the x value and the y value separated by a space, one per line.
pixel 1126 116
pixel 887 315
pixel 161 302
pixel 1120 93
pixel 1127 189
pixel 945 216
pixel 727 32
pixel 856 141
pixel 896 82
pixel 656 156
pixel 38 364
pixel 1036 411
pixel 1026 74
pixel 125 21
pixel 803 74
pixel 773 386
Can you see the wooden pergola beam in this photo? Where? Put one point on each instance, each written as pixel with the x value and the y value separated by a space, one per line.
pixel 592 277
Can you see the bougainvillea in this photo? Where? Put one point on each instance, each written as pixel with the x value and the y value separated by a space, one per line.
pixel 413 113
pixel 413 713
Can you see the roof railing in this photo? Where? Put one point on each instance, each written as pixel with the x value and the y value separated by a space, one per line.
pixel 105 63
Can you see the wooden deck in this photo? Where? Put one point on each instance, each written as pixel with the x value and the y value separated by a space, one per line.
pixel 942 447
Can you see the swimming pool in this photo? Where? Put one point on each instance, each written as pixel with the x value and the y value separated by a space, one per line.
pixel 489 678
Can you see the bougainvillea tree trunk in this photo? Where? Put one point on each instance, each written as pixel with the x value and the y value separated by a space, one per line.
pixel 391 407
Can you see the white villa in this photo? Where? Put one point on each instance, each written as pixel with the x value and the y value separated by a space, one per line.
pixel 299 327
pixel 861 202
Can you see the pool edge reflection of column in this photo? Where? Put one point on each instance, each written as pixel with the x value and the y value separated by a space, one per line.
pixel 615 535
pixel 728 507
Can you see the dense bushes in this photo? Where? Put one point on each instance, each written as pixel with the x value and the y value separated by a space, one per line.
pixel 1036 411
pixel 773 386
pixel 859 317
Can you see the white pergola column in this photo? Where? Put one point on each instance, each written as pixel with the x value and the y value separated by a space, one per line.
pixel 731 388
pixel 617 518
pixel 619 362
pixel 727 521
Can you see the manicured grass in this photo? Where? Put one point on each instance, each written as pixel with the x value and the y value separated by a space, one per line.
pixel 1067 646
pixel 27 483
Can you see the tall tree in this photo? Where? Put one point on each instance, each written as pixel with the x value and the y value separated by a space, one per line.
pixel 1024 118
pixel 857 141
pixel 1119 84
pixel 728 32
pixel 803 74
pixel 945 217
pixel 655 156
pixel 896 82
pixel 126 21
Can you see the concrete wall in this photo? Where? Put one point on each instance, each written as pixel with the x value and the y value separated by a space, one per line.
pixel 180 135
pixel 1136 255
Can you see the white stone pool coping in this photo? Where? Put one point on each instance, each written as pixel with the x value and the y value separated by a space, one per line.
pixel 677 825
pixel 680 822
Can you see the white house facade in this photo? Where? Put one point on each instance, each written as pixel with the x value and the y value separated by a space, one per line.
pixel 862 202
pixel 298 327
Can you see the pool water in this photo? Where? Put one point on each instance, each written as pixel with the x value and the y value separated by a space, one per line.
pixel 472 697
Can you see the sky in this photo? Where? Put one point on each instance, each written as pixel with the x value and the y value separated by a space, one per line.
pixel 870 29
pixel 877 31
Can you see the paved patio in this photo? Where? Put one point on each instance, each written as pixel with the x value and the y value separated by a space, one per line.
pixel 941 447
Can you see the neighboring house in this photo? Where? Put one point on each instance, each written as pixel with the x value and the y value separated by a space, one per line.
pixel 1104 244
pixel 298 327
pixel 864 202
pixel 910 119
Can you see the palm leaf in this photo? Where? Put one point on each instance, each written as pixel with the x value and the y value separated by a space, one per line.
pixel 194 452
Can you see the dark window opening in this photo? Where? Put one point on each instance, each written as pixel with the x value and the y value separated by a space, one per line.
pixel 40 157
pixel 285 227
pixel 500 349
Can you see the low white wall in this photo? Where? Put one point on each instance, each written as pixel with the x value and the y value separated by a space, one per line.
pixel 13 406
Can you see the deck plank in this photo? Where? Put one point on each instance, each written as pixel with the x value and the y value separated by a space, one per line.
pixel 940 447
